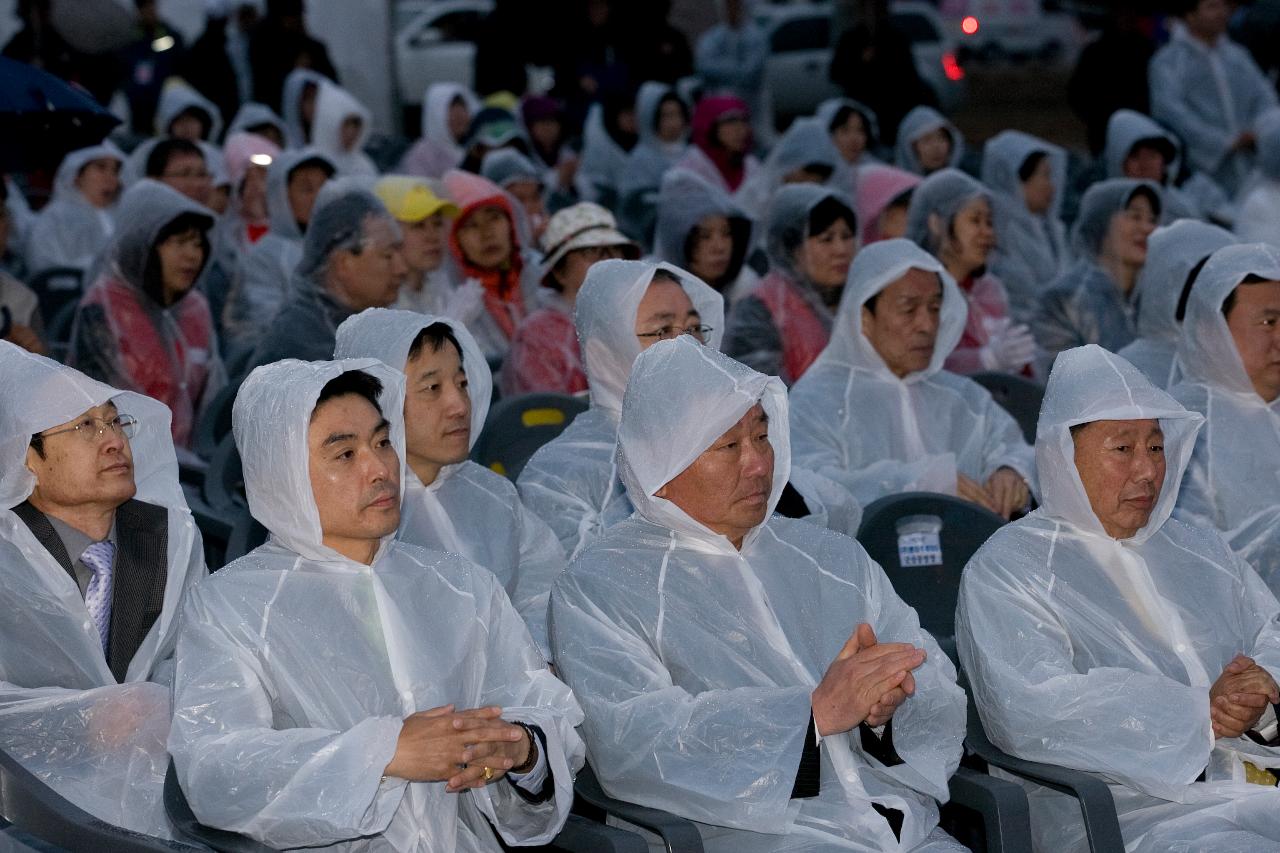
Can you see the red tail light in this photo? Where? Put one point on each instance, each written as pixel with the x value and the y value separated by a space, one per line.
pixel 951 68
pixel 969 25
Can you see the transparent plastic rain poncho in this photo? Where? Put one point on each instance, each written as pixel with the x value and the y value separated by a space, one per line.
pixel 944 194
pixel 1258 219
pixel 781 327
pixel 1197 198
pixel 918 123
pixel 806 142
pixel 1233 482
pixel 125 337
pixel 1172 252
pixel 467 509
pixel 1097 654
pixel 253 114
pixel 638 203
pixel 178 97
pixel 602 161
pixel 69 231
pixel 830 108
pixel 854 421
pixel 262 279
pixel 877 186
pixel 1085 305
pixel 436 151
pixel 297 665
pixel 571 482
pixel 1032 249
pixel 684 200
pixel 695 661
pixel 334 105
pixel 1208 96
pixel 99 743
pixel 291 103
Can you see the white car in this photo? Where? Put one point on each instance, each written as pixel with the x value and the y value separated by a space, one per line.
pixel 796 73
pixel 1015 29
pixel 435 43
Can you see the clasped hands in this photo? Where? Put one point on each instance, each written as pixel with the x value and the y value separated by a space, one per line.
pixel 445 745
pixel 1004 494
pixel 866 682
pixel 1240 696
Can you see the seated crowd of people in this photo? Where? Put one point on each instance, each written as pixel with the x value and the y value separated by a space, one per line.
pixel 424 654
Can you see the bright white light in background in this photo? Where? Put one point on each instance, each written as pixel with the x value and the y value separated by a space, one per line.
pixel 162 44
pixel 260 159
pixel 969 25
pixel 951 68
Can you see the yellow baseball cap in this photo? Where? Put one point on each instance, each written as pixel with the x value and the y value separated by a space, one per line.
pixel 411 199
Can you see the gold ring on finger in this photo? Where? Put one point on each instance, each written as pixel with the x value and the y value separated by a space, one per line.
pixel 488 774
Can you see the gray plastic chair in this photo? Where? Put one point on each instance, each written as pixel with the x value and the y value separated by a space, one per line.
pixel 35 808
pixel 1017 395
pixel 518 426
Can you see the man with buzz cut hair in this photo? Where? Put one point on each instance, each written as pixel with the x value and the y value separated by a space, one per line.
pixel 338 688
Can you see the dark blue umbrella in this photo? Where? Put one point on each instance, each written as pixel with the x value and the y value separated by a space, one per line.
pixel 43 117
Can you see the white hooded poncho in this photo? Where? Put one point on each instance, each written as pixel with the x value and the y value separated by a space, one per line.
pixel 918 123
pixel 1032 249
pixel 1173 251
pixel 1233 480
pixel 63 716
pixel 467 509
pixel 436 151
pixel 1197 197
pixel 695 661
pixel 334 105
pixel 69 231
pixel 264 271
pixel 1097 654
pixel 572 482
pixel 297 665
pixel 856 422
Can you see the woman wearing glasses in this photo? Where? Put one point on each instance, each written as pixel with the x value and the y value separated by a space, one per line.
pixel 142 326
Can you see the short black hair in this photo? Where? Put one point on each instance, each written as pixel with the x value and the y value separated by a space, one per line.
pixel 153 275
pixel 37 444
pixel 434 336
pixel 310 163
pixel 1029 165
pixel 1230 301
pixel 352 382
pixel 661 274
pixel 842 115
pixel 1160 144
pixel 165 150
pixel 825 213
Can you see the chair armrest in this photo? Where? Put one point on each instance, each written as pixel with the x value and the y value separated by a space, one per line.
pixel 677 833
pixel 584 836
pixel 1002 805
pixel 1096 803
pixel 188 827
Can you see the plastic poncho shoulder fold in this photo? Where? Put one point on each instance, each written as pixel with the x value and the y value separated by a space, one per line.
pixel 1097 653
pixel 695 661
pixel 467 509
pixel 297 665
pixel 58 696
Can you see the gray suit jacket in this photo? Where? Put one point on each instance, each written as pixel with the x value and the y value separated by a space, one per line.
pixel 141 571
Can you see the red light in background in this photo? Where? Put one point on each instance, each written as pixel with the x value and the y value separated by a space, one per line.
pixel 969 25
pixel 951 68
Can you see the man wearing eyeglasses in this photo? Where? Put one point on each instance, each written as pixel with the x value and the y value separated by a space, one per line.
pixel 97 548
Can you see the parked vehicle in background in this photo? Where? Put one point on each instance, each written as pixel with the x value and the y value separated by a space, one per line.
pixel 801 49
pixel 1012 29
pixel 435 43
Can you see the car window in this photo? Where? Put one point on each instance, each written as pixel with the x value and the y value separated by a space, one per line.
pixel 812 33
pixel 916 28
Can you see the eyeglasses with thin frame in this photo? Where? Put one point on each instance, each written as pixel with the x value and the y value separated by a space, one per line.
pixel 667 333
pixel 91 429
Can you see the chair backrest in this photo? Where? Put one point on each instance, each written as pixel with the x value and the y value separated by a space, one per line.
pixel 246 534
pixel 922 541
pixel 224 483
pixel 57 287
pixel 35 808
pixel 518 426
pixel 215 420
pixel 1017 395
pixel 188 827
